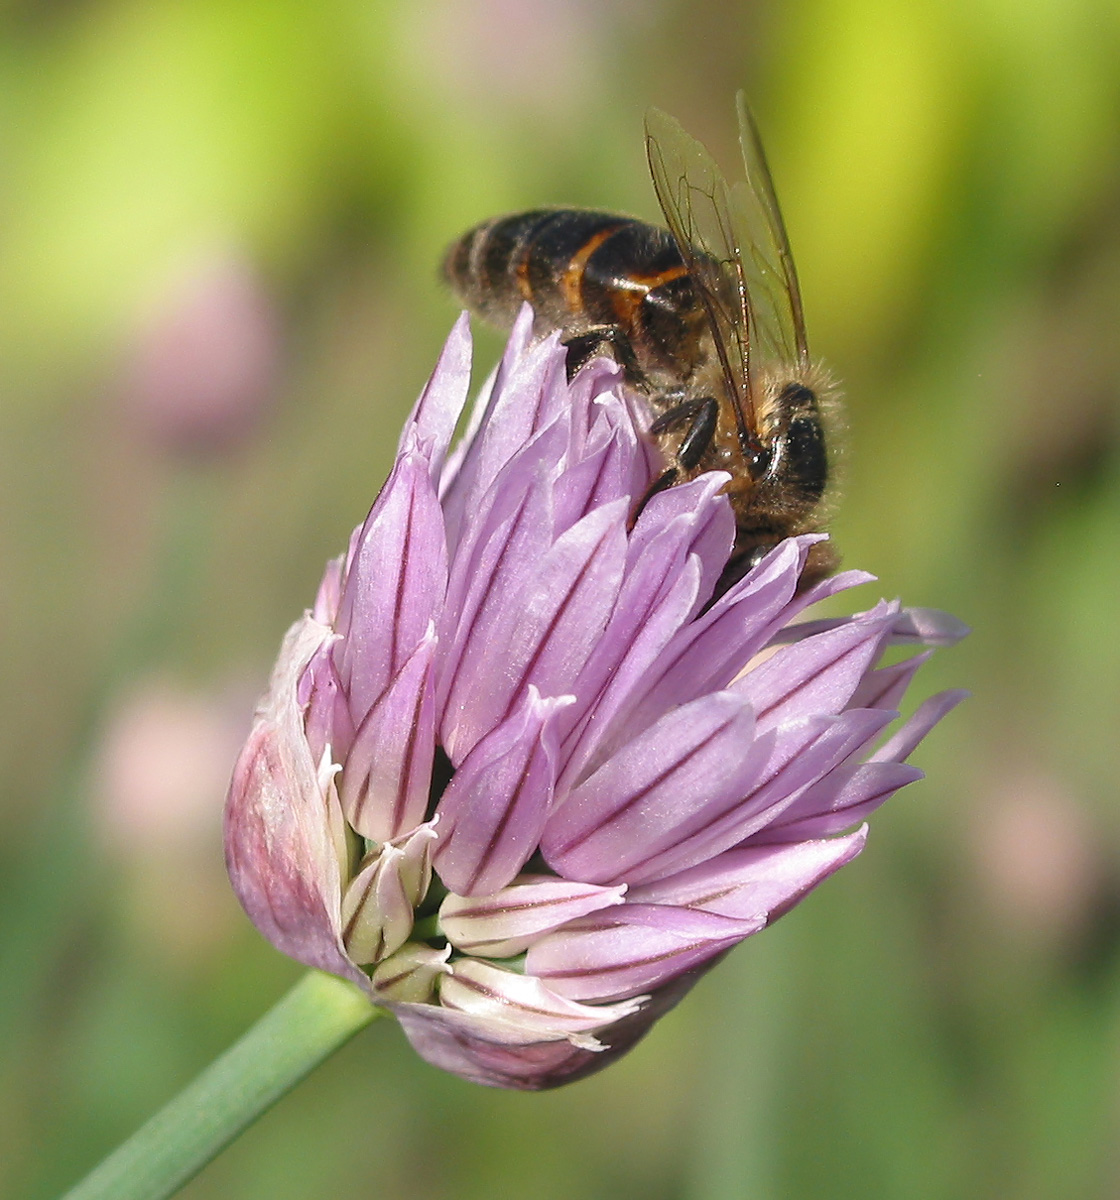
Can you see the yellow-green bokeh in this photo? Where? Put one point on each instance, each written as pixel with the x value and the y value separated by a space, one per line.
pixel 940 1020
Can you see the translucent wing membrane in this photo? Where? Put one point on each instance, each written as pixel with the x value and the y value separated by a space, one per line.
pixel 734 242
pixel 777 329
pixel 696 202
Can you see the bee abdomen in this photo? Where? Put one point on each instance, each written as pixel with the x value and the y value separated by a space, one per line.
pixel 487 264
pixel 583 270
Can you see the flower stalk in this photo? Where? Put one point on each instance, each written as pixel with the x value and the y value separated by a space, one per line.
pixel 319 1014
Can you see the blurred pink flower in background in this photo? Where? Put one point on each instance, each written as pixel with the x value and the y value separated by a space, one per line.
pixel 541 57
pixel 202 364
pixel 162 763
pixel 1036 857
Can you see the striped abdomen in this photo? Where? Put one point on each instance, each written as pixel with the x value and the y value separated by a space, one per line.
pixel 583 271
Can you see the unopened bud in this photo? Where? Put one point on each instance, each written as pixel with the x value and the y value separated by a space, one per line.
pixel 410 975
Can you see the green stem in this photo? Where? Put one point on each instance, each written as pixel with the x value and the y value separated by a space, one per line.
pixel 320 1014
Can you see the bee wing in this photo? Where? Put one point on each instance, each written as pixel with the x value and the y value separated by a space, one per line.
pixel 697 204
pixel 777 322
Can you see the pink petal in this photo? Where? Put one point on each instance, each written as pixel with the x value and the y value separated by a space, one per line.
pixel 437 412
pixel 507 532
pixel 394 586
pixel 905 740
pixel 818 675
pixel 527 1007
pixel 509 921
pixel 761 881
pixel 885 687
pixel 514 416
pixel 710 653
pixel 927 627
pixel 631 949
pixel 327 720
pixel 693 762
pixel 798 757
pixel 539 627
pixel 843 797
pixel 487 1052
pixel 388 769
pixel 281 851
pixel 493 810
pixel 330 590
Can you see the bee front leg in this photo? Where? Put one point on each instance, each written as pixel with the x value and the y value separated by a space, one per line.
pixel 583 347
pixel 701 416
pixel 679 412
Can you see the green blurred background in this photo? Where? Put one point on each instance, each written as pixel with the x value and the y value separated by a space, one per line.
pixel 219 227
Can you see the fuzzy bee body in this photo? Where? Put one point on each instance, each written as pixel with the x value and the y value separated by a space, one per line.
pixel 587 271
pixel 704 318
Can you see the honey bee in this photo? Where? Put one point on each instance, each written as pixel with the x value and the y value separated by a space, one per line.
pixel 705 319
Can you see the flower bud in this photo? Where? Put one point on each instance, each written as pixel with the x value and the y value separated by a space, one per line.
pixel 520 773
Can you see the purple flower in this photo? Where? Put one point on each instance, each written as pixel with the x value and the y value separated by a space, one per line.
pixel 516 774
